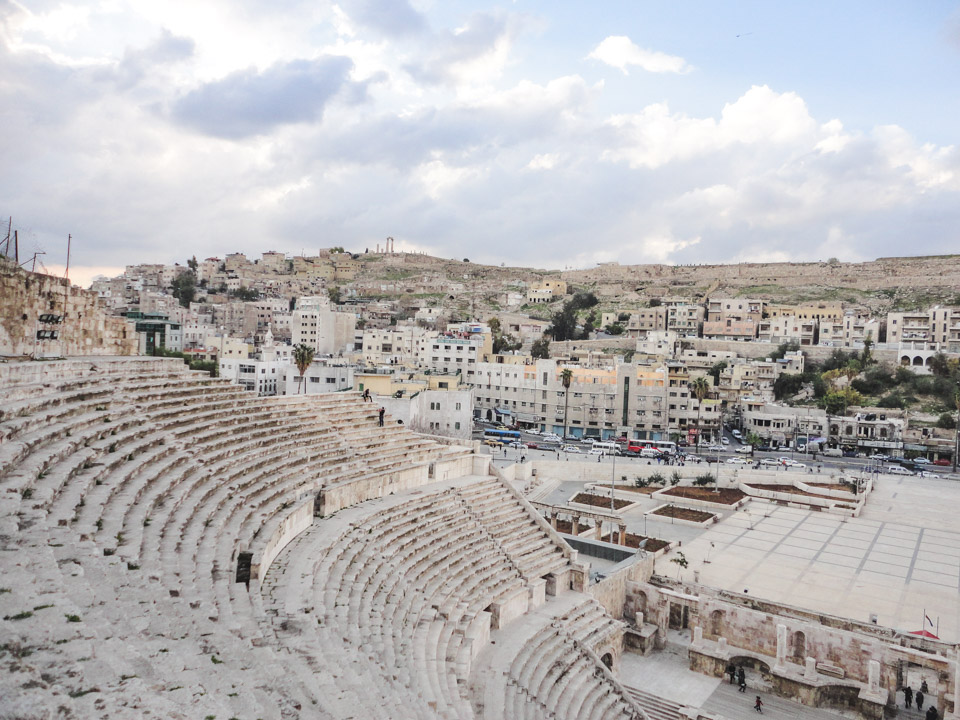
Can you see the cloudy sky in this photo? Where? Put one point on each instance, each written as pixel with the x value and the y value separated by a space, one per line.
pixel 545 133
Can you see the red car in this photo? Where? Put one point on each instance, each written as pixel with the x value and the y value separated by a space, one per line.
pixel 532 445
pixel 941 461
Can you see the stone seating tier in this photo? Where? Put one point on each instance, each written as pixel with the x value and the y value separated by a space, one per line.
pixel 143 549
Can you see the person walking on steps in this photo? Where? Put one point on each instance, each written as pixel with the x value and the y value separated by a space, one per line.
pixel 908 696
pixel 919 698
pixel 742 679
pixel 381 412
pixel 758 705
pixel 932 713
pixel 732 672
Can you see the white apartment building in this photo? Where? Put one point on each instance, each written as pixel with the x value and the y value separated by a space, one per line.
pixel 315 324
pixel 323 376
pixel 394 346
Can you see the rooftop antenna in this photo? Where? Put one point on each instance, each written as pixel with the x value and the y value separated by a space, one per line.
pixel 66 272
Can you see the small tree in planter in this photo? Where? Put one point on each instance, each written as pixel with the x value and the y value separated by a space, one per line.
pixel 704 479
pixel 675 478
pixel 656 479
pixel 681 561
pixel 641 482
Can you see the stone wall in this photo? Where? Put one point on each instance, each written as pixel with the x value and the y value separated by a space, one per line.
pixel 85 329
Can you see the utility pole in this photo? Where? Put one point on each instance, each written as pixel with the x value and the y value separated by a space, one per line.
pixel 66 272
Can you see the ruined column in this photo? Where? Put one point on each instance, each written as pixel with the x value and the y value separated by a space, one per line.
pixel 781 645
pixel 575 526
pixel 638 618
pixel 599 530
pixel 623 534
pixel 553 520
pixel 810 671
pixel 956 686
pixel 697 636
pixel 873 676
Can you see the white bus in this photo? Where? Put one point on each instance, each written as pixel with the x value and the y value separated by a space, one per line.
pixel 608 448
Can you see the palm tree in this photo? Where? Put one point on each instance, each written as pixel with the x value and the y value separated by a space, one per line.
pixel 302 357
pixel 700 388
pixel 566 377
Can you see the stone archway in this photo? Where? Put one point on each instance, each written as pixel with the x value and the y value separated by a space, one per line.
pixel 716 623
pixel 918 361
pixel 607 660
pixel 799 647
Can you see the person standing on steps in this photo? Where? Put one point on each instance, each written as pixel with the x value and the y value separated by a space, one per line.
pixel 932 713
pixel 732 672
pixel 758 705
pixel 381 412
pixel 919 698
pixel 742 679
pixel 908 696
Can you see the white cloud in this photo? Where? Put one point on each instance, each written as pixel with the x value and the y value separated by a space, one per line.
pixel 543 161
pixel 620 52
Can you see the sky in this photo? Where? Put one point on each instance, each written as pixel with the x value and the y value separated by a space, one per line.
pixel 549 134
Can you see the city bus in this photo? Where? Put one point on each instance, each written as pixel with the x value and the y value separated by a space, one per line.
pixel 664 446
pixel 501 435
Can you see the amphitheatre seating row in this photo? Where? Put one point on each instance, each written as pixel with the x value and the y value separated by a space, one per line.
pixel 127 486
pixel 415 579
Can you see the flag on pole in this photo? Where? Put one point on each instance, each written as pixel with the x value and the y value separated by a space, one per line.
pixel 928 619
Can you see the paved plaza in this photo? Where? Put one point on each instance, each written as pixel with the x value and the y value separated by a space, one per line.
pixel 898 560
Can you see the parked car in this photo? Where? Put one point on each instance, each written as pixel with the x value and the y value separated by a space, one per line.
pixel 744 450
pixel 649 453
pixel 516 444
pixel 589 440
pixel 880 456
pixel 532 431
pixel 770 461
pixel 715 448
pixel 763 448
pixel 595 451
pixel 921 461
pixel 724 441
pixel 735 433
pixel 493 443
pixel 533 446
pixel 630 453
pixel 942 462
pixel 795 464
pixel 552 437
pixel 572 449
pixel 927 474
pixel 737 461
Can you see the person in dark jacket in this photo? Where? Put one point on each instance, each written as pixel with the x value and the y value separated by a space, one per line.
pixel 919 698
pixel 908 696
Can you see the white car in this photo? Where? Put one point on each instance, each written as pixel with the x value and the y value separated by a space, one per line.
pixel 532 432
pixel 737 461
pixel 794 464
pixel 589 440
pixel 898 470
pixel 715 448
pixel 735 433
pixel 595 451
pixel 745 450
pixel 572 449
pixel 921 461
pixel 927 474
pixel 725 441
pixel 552 437
pixel 516 444
pixel 770 461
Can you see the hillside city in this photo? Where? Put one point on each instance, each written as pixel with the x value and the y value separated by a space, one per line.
pixel 392 485
pixel 647 353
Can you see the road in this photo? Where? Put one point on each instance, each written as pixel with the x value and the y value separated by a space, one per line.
pixel 843 464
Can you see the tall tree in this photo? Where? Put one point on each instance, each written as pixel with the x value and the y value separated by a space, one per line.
pixel 566 377
pixel 540 349
pixel 700 388
pixel 302 357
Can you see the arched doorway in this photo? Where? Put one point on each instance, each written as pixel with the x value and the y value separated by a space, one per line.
pixel 607 660
pixel 799 646
pixel 716 623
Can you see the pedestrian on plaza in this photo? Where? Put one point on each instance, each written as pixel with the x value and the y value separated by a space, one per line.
pixel 758 705
pixel 523 458
pixel 381 412
pixel 919 699
pixel 741 677
pixel 932 713
pixel 743 684
pixel 732 672
pixel 923 686
pixel 908 696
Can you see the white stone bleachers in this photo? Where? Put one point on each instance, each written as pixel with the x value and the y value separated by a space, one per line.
pixel 554 669
pixel 413 581
pixel 230 464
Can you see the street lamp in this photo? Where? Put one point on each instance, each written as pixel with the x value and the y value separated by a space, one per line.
pixel 956 436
